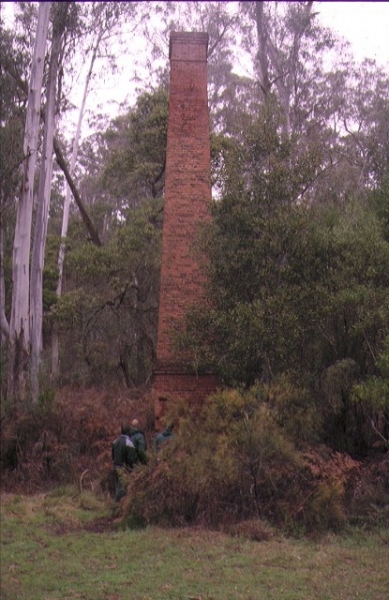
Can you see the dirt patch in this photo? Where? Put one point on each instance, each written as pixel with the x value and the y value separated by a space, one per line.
pixel 101 525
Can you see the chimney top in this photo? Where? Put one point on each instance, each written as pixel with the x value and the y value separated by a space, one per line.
pixel 181 39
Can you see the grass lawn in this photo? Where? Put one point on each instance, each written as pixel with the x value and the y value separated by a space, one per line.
pixel 62 546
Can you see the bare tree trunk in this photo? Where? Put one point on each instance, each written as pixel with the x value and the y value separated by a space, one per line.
pixel 38 253
pixel 263 65
pixel 4 325
pixel 19 341
pixel 268 54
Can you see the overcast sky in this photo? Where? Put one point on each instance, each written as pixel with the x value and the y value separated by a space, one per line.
pixel 364 24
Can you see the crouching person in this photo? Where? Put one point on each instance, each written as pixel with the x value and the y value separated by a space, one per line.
pixel 124 457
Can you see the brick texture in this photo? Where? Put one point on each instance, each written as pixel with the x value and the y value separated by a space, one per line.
pixel 187 197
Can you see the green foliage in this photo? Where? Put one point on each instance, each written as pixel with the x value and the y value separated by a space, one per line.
pixel 379 201
pixel 231 463
pixel 15 59
pixel 373 395
pixel 236 464
pixel 293 286
pixel 108 313
pixel 46 400
pixel 137 147
pixel 293 407
pixel 50 273
pixel 338 380
pixel 109 318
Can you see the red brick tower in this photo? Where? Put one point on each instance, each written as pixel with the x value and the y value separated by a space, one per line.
pixel 187 196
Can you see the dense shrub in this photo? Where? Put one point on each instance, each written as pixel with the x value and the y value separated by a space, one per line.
pixel 235 463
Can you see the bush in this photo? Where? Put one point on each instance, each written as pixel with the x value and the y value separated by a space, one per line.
pixel 232 462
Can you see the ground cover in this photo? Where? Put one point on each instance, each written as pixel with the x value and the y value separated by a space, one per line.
pixel 65 545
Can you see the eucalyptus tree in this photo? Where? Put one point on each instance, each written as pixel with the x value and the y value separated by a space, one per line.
pixel 24 354
pixel 14 65
pixel 365 119
pixel 289 52
pixel 19 338
pixel 15 50
pixel 103 24
pixel 59 20
pixel 102 28
pixel 333 104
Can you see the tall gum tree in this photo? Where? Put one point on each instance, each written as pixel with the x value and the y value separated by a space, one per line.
pixel 19 339
pixel 59 17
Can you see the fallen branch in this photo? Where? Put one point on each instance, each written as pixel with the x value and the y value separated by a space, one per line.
pixel 89 225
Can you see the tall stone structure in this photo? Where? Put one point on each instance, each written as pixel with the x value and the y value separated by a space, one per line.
pixel 187 196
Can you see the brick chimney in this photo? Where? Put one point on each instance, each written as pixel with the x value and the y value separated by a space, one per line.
pixel 187 197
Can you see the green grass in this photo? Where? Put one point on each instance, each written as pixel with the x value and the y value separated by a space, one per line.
pixel 53 549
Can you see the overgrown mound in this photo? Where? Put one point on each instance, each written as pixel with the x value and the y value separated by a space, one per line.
pixel 235 464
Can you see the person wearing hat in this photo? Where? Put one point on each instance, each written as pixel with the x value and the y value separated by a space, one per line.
pixel 139 440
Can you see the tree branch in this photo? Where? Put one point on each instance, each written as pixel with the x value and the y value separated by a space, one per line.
pixel 88 223
pixel 383 438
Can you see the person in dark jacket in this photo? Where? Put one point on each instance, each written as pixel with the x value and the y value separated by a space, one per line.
pixel 139 440
pixel 164 436
pixel 124 457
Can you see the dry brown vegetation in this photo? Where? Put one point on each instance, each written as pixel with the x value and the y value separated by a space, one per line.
pixel 237 482
pixel 68 439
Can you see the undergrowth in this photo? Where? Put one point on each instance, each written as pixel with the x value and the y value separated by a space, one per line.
pixel 68 440
pixel 234 464
pixel 234 467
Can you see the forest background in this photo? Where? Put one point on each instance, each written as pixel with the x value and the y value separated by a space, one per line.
pixel 297 256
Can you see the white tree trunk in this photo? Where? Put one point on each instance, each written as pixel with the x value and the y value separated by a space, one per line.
pixel 19 343
pixel 43 207
pixel 4 326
